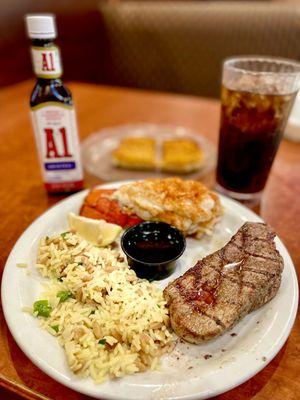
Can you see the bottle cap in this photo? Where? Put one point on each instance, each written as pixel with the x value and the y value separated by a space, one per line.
pixel 41 26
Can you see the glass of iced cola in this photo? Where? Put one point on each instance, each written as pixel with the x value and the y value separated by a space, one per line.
pixel 257 95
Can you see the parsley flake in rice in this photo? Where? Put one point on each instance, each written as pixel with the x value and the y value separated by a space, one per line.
pixel 109 322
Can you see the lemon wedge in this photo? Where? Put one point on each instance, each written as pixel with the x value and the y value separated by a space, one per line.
pixel 95 231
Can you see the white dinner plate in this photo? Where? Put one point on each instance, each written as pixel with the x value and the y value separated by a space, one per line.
pixel 190 371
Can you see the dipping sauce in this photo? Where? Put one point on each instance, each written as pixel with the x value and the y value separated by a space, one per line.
pixel 152 251
pixel 152 248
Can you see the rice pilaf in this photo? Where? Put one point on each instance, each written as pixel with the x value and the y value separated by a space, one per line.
pixel 109 322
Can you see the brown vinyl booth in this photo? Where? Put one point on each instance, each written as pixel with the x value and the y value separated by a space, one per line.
pixel 158 45
pixel 179 46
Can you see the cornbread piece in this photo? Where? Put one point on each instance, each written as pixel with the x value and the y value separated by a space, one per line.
pixel 135 153
pixel 186 204
pixel 181 156
pixel 219 290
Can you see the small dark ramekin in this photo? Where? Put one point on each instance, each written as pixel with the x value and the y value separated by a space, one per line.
pixel 158 232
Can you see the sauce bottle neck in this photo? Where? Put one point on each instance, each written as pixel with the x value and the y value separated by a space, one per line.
pixel 42 42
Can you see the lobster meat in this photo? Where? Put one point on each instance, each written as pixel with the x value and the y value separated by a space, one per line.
pixel 99 205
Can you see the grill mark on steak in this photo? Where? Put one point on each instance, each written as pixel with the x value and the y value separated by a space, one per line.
pixel 215 319
pixel 205 295
pixel 265 273
pixel 254 254
pixel 224 261
pixel 240 270
pixel 260 256
pixel 256 239
pixel 209 299
pixel 245 283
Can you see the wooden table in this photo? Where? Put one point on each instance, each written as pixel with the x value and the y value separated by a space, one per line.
pixel 23 199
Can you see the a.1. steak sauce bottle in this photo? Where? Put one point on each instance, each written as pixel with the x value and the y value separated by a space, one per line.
pixel 52 111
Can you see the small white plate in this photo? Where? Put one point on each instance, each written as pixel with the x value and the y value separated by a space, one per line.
pixel 97 149
pixel 185 374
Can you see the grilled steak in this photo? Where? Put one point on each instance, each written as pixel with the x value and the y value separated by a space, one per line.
pixel 223 287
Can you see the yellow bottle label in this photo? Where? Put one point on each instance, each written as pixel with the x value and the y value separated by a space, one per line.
pixel 46 62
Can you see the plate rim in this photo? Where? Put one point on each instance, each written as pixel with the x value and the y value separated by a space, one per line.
pixel 70 384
